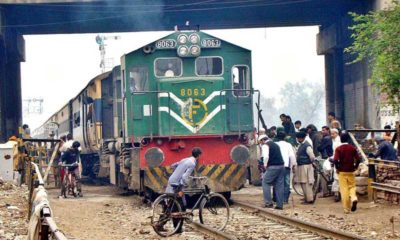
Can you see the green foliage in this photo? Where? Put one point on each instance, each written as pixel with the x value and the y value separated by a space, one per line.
pixel 303 101
pixel 376 38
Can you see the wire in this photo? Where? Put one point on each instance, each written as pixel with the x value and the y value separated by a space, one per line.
pixel 152 11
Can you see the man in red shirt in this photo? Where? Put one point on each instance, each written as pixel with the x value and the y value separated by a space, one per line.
pixel 346 160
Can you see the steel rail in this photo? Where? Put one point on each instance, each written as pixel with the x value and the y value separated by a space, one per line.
pixel 320 230
pixel 211 231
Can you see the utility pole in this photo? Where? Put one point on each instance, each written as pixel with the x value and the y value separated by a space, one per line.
pixel 104 62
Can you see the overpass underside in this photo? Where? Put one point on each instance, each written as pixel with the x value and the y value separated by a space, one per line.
pixel 346 85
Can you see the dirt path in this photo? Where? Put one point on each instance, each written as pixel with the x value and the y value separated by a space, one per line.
pixel 103 213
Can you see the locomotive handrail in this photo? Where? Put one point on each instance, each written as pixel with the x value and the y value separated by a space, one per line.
pixel 252 91
pixel 151 122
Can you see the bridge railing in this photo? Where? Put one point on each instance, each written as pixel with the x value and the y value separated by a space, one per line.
pixel 41 223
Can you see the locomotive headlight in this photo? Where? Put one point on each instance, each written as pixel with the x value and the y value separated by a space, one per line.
pixel 194 38
pixel 182 39
pixel 195 50
pixel 183 51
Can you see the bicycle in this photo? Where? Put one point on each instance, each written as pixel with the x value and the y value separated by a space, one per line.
pixel 318 176
pixel 167 217
pixel 72 188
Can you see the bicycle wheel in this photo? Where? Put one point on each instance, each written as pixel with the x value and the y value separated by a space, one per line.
pixel 297 187
pixel 315 188
pixel 214 211
pixel 64 186
pixel 165 219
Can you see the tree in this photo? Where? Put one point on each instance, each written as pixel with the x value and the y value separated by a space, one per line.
pixel 304 101
pixel 376 38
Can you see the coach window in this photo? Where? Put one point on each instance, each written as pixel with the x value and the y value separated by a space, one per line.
pixel 138 79
pixel 168 67
pixel 209 66
pixel 241 80
pixel 77 119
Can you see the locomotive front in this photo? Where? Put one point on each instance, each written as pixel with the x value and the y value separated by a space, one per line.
pixel 188 89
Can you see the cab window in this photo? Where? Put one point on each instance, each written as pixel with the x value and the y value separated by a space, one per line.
pixel 209 66
pixel 241 80
pixel 138 79
pixel 168 67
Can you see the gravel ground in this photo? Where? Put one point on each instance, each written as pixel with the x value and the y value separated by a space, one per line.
pixel 371 220
pixel 104 213
pixel 13 211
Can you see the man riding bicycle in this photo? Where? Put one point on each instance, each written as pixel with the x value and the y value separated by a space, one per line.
pixel 71 157
pixel 182 171
pixel 180 178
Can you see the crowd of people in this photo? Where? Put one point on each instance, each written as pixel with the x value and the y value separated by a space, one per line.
pixel 292 149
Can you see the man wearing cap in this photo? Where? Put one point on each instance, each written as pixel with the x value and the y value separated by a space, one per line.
pixel 305 171
pixel 335 144
pixel 274 172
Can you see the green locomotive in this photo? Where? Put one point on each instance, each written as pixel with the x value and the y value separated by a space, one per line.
pixel 187 89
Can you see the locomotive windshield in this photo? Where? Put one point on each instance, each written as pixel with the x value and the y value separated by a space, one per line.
pixel 168 67
pixel 138 79
pixel 209 66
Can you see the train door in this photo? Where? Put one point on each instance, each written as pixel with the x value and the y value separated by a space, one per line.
pixel 141 102
pixel 239 100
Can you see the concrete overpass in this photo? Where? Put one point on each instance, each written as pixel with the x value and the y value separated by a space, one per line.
pixel 346 85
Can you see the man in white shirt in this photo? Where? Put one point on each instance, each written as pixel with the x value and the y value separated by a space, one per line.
pixel 274 172
pixel 289 159
pixel 182 171
pixel 335 143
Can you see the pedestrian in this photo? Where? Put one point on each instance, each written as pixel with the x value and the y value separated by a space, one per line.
pixel 308 139
pixel 315 138
pixel 68 143
pixel 346 161
pixel 334 123
pixel 387 136
pixel 326 151
pixel 297 125
pixel 289 159
pixel 386 150
pixel 335 143
pixel 271 133
pixel 289 127
pixel 304 170
pixel 274 172
pixel 26 131
pixel 285 123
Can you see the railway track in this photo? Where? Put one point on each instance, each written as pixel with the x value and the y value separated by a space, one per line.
pixel 249 222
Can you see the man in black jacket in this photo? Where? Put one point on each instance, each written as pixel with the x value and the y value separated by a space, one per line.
pixel 274 172
pixel 315 138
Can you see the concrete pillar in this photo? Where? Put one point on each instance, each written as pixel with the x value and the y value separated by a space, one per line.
pixel 12 53
pixel 329 44
pixel 338 77
pixel 329 83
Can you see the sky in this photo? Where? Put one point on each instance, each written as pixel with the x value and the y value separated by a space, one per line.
pixel 58 67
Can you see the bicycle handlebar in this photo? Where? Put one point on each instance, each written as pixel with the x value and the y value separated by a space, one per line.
pixel 69 165
pixel 193 177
